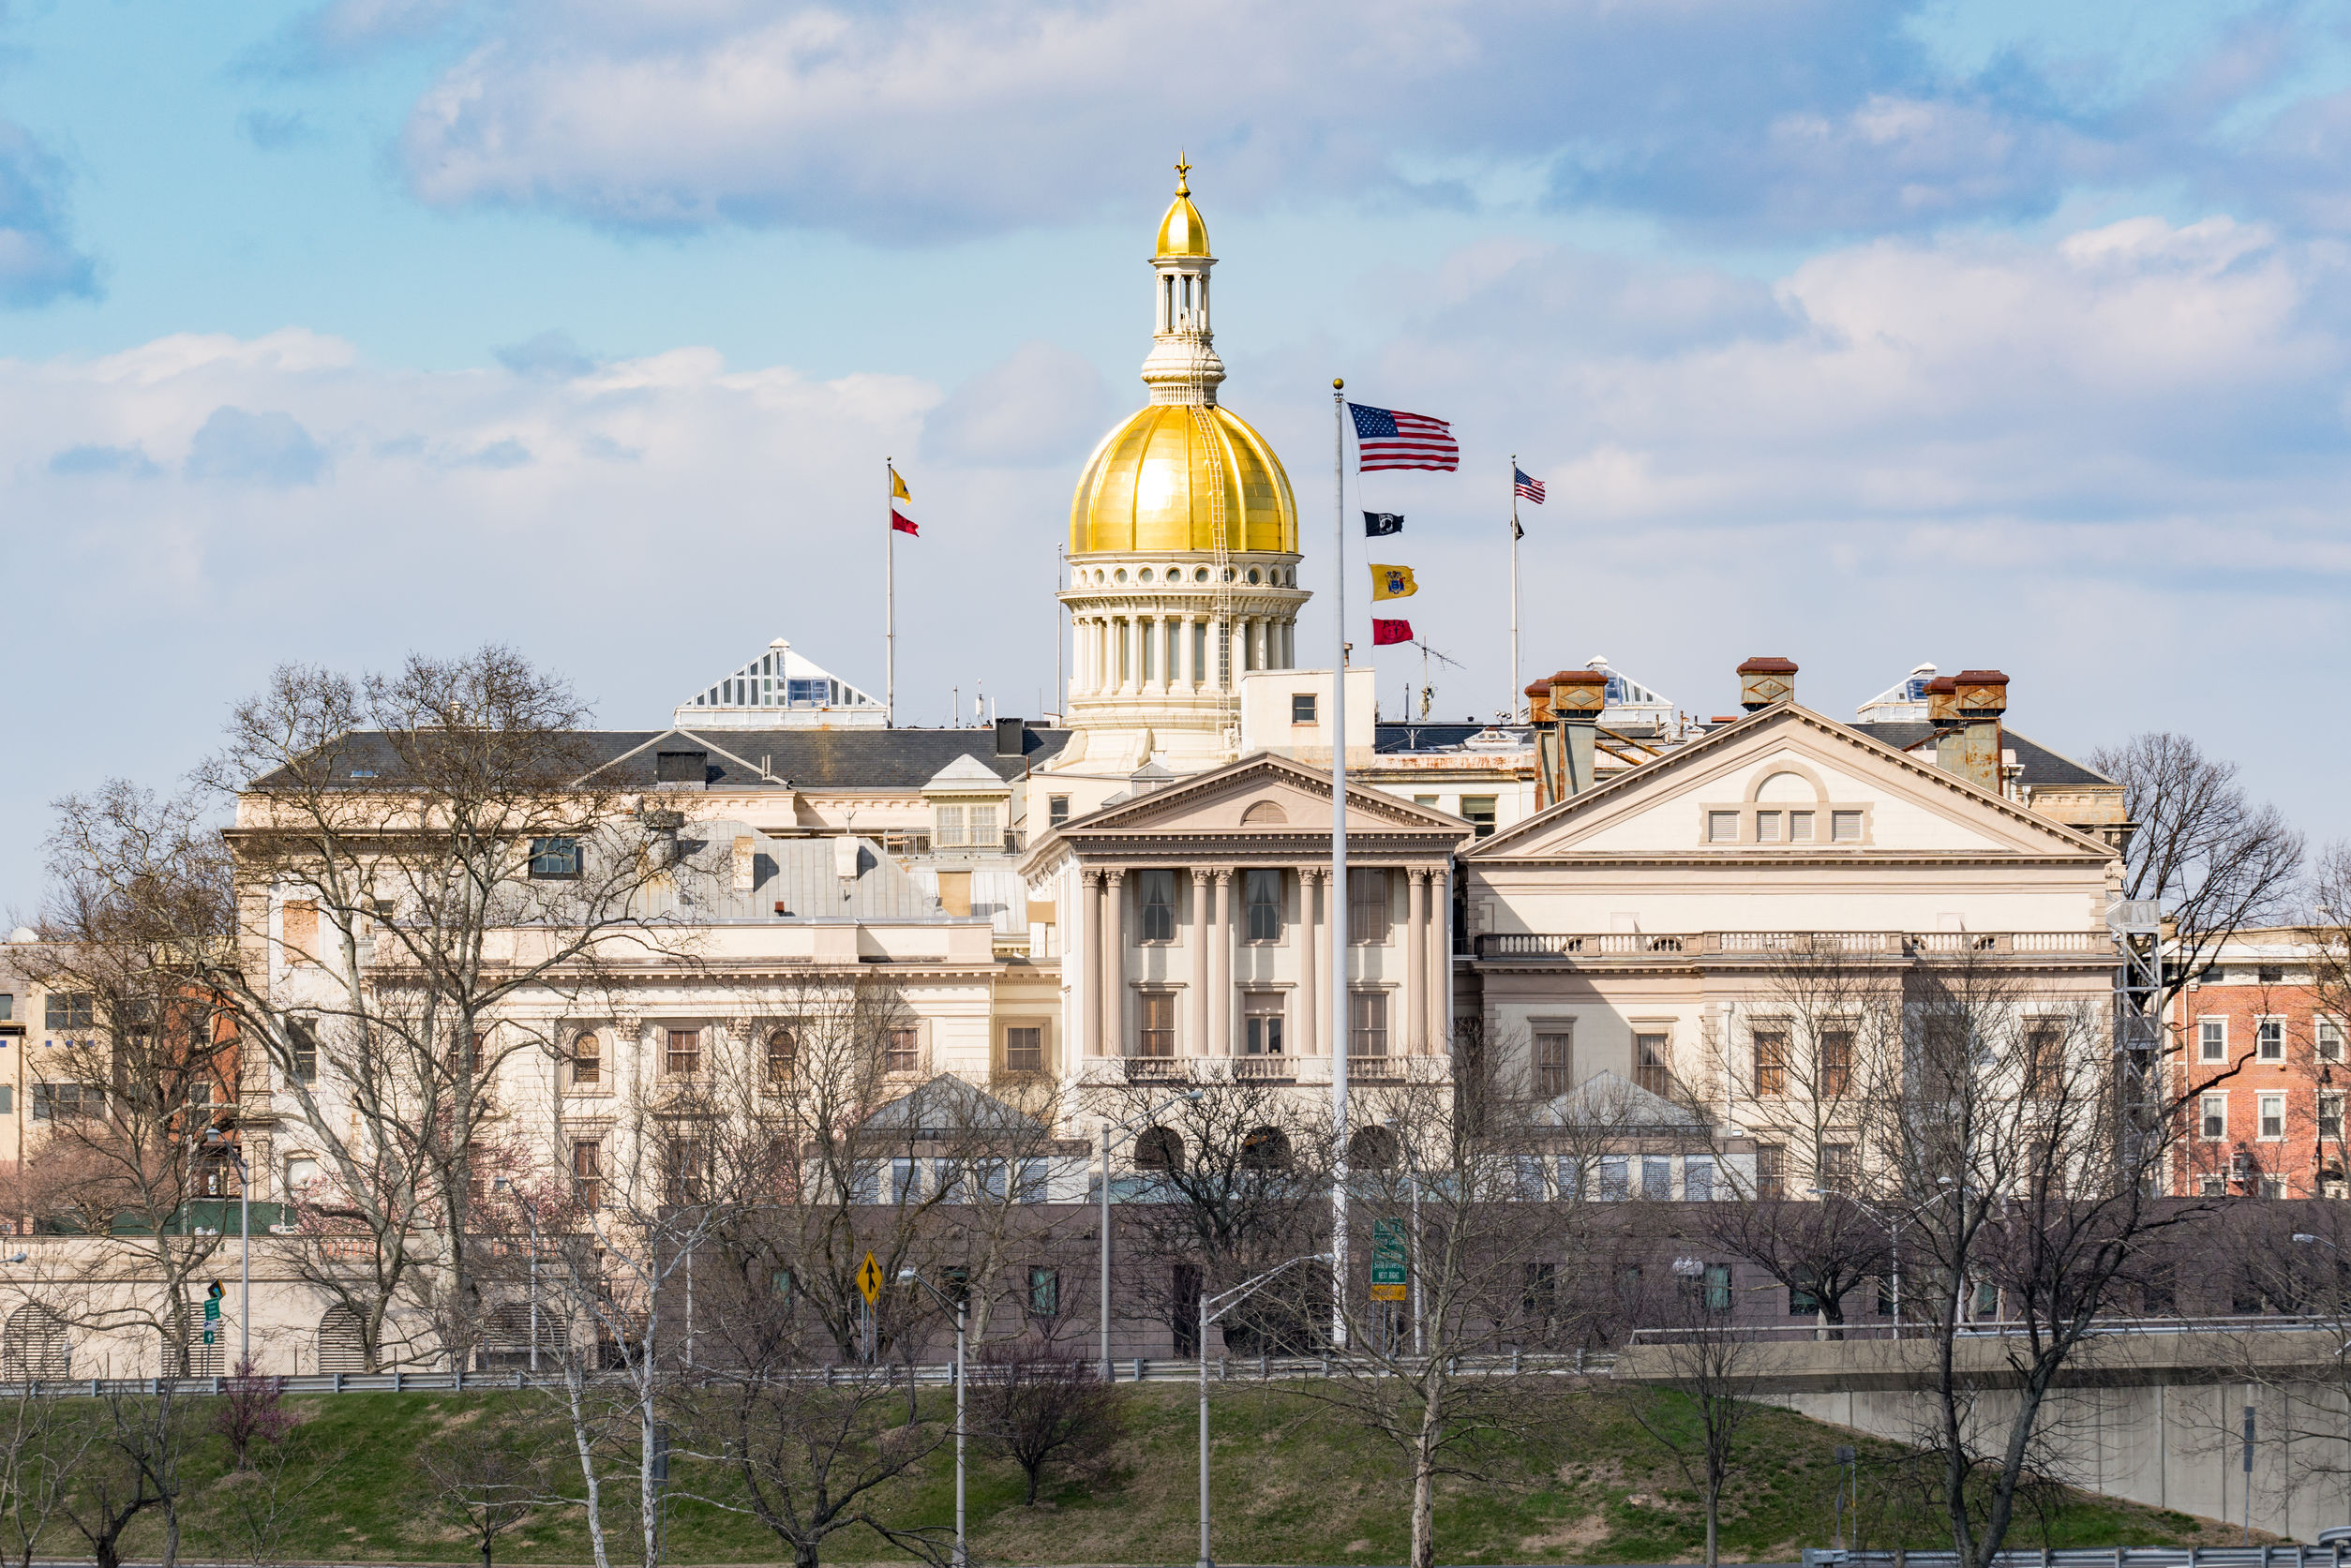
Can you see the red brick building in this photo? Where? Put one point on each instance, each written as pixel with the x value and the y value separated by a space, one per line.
pixel 2262 1060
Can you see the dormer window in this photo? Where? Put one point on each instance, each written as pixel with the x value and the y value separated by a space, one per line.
pixel 964 826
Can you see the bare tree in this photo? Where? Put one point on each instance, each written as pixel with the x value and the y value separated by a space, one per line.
pixel 2212 859
pixel 42 1444
pixel 413 854
pixel 1708 1361
pixel 1456 1204
pixel 138 1092
pixel 1042 1404
pixel 130 1465
pixel 2032 1195
pixel 488 1477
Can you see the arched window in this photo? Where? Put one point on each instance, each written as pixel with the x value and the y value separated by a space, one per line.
pixel 1160 1148
pixel 35 1344
pixel 587 1060
pixel 1266 1148
pixel 342 1347
pixel 783 1057
pixel 1264 813
pixel 1373 1148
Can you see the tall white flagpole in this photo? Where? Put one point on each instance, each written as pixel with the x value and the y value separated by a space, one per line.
pixel 1516 692
pixel 1339 1015
pixel 889 594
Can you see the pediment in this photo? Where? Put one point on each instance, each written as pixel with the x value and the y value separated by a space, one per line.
pixel 1786 783
pixel 1264 793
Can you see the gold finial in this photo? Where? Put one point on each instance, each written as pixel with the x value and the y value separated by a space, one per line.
pixel 1183 170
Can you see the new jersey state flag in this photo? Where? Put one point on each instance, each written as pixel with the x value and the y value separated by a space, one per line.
pixel 901 506
pixel 1392 582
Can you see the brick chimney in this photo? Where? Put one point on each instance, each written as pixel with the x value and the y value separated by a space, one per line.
pixel 1565 747
pixel 1764 681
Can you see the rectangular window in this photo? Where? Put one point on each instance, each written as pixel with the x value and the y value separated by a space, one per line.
pixel 1554 1064
pixel 1057 810
pixel 1478 811
pixel 1261 1023
pixel 2331 1115
pixel 2215 1117
pixel 1987 1299
pixel 1656 1178
pixel 1845 826
pixel 2329 1040
pixel 64 1101
pixel 301 938
pixel 1366 1023
pixel 587 1060
pixel 69 1009
pixel 1302 708
pixel 947 827
pixel 683 1055
pixel 1803 1300
pixel 1840 1167
pixel 1649 1065
pixel 1045 1292
pixel 1722 826
pixel 1771 1063
pixel 2269 974
pixel 1025 1049
pixel 1149 649
pixel 1697 1179
pixel 1155 1010
pixel 2270 1039
pixel 901 1050
pixel 1799 827
pixel 301 1034
pixel 2043 1077
pixel 588 1173
pixel 2212 1037
pixel 1836 1063
pixel 2272 1115
pixel 1367 908
pixel 555 859
pixel 983 831
pixel 1199 652
pixel 1157 891
pixel 1719 1287
pixel 1771 1173
pixel 1261 895
pixel 1767 827
pixel 8 1005
pixel 685 1171
pixel 1615 1184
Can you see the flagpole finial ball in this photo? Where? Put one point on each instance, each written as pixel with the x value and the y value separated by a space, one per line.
pixel 1337 384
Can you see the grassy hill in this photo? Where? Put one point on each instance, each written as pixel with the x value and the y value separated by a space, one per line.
pixel 1293 1482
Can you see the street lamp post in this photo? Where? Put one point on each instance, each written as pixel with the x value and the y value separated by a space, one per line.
pixel 1211 1309
pixel 244 1248
pixel 961 1303
pixel 1127 1128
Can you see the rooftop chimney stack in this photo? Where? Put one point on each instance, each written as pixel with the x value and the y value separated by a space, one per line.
pixel 1539 702
pixel 1981 697
pixel 1764 681
pixel 1564 748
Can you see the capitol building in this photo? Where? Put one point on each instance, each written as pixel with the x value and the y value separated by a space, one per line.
pixel 1138 894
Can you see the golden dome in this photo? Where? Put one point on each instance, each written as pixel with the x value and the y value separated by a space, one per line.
pixel 1181 233
pixel 1148 487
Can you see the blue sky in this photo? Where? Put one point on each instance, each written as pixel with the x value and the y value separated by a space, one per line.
pixel 1869 333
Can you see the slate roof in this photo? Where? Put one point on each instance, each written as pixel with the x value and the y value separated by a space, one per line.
pixel 804 758
pixel 948 1104
pixel 1606 1099
pixel 2042 767
pixel 797 873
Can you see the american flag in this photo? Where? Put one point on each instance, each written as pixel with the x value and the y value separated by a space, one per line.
pixel 1531 488
pixel 1392 438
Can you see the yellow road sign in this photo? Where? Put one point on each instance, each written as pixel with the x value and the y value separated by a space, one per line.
pixel 1387 1292
pixel 869 1279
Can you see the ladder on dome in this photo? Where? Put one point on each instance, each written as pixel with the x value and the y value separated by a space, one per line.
pixel 1222 599
pixel 2136 926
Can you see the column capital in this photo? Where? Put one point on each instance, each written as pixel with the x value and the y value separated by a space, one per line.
pixel 1421 874
pixel 1222 873
pixel 1113 875
pixel 1200 875
pixel 1093 875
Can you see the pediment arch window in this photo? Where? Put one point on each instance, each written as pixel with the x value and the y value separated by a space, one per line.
pixel 1264 813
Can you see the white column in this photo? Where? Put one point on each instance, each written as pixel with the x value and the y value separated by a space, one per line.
pixel 1440 966
pixel 1309 976
pixel 1114 964
pixel 1220 966
pixel 1202 979
pixel 1155 638
pixel 1416 966
pixel 1090 961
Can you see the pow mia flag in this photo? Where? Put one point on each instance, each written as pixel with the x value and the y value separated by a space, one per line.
pixel 1378 524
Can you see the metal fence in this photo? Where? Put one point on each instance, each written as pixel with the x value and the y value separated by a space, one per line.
pixel 2329 1556
pixel 1224 1369
pixel 1988 1329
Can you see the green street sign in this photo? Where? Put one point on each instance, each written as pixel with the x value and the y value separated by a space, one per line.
pixel 1390 1260
pixel 212 1311
pixel 208 1336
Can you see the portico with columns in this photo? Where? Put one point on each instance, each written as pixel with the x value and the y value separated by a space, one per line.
pixel 1203 940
